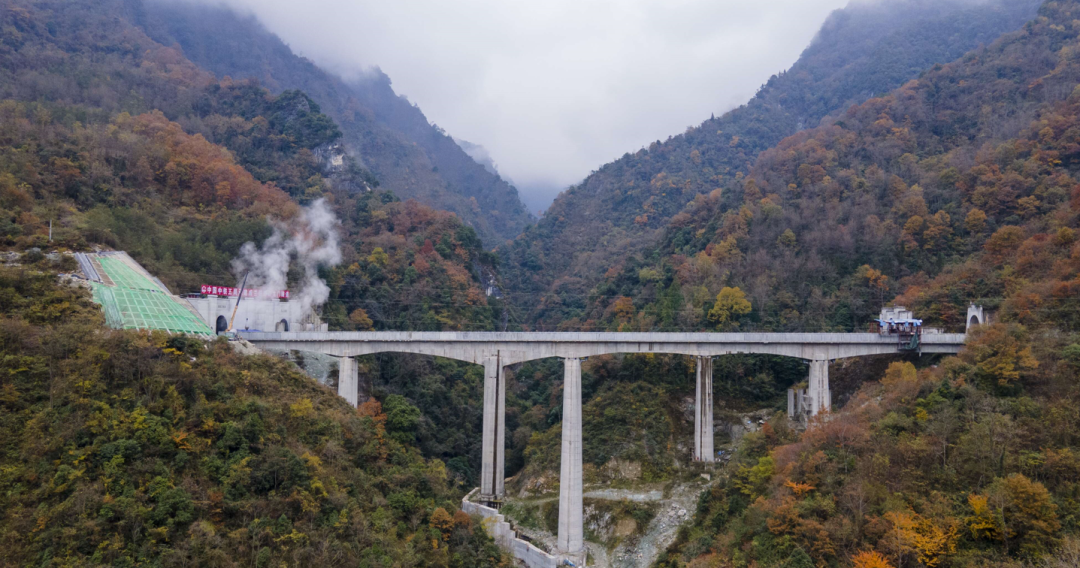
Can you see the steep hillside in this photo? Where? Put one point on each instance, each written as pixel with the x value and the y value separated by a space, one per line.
pixel 386 133
pixel 147 152
pixel 959 186
pixel 122 448
pixel 110 168
pixel 177 202
pixel 88 144
pixel 951 172
pixel 621 209
pixel 968 464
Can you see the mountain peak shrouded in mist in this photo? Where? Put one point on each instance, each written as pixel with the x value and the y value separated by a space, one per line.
pixel 537 195
pixel 480 154
pixel 862 51
pixel 553 89
pixel 383 131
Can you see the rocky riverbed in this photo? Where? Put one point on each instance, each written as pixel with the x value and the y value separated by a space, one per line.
pixel 614 535
pixel 628 522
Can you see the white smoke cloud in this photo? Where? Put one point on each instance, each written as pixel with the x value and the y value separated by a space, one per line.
pixel 312 239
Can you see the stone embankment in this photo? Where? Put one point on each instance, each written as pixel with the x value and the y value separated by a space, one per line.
pixel 523 551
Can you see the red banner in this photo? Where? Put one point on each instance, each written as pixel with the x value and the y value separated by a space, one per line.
pixel 209 290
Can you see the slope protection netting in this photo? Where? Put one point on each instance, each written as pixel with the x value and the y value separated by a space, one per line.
pixel 136 302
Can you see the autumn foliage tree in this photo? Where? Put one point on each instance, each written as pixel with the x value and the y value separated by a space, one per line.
pixel 1016 512
pixel 999 356
pixel 870 559
pixel 731 303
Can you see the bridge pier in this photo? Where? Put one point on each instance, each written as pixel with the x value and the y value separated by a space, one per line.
pixel 348 386
pixel 703 412
pixel 492 456
pixel 820 395
pixel 571 538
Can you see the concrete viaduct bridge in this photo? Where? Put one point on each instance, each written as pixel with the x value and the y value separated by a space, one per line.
pixel 497 350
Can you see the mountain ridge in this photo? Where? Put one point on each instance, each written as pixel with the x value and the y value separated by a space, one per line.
pixel 391 136
pixel 623 206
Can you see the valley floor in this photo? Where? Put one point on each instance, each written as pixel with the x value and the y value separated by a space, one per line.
pixel 614 536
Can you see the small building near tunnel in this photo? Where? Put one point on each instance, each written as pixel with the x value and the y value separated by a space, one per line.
pixel 257 311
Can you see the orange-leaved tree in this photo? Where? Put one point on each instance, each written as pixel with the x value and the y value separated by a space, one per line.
pixel 870 559
pixel 999 356
pixel 730 304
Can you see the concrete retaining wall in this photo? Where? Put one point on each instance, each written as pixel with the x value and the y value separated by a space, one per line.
pixel 252 314
pixel 495 524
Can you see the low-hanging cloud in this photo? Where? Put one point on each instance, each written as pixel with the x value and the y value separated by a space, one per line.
pixel 312 239
pixel 555 89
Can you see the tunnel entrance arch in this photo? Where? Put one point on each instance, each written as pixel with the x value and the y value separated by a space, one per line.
pixel 282 325
pixel 976 316
pixel 222 324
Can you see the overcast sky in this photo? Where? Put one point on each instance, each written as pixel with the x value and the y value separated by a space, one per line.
pixel 556 88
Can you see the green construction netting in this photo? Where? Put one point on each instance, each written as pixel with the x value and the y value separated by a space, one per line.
pixel 136 302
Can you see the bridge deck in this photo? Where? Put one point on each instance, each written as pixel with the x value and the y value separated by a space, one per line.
pixel 514 347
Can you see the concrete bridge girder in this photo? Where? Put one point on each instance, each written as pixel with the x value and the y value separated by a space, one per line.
pixel 512 353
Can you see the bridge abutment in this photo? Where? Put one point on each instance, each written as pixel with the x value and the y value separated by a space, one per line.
pixel 703 411
pixel 571 538
pixel 492 466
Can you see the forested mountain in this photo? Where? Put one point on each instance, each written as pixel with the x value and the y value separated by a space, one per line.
pixel 862 50
pixel 125 448
pixel 166 451
pixel 88 143
pixel 836 219
pixel 806 209
pixel 384 132
pixel 960 186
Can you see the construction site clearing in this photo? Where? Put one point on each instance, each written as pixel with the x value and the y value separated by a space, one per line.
pixel 132 298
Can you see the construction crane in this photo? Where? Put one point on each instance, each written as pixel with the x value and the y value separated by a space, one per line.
pixel 237 306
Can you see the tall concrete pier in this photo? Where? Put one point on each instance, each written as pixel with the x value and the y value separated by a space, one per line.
pixel 348 380
pixel 492 455
pixel 571 537
pixel 496 351
pixel 703 411
pixel 818 389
